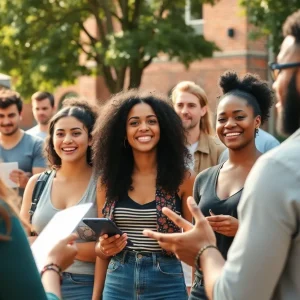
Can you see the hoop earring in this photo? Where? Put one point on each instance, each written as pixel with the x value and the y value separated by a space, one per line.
pixel 256 131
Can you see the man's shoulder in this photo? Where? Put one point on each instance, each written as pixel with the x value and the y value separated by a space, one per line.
pixel 286 155
pixel 30 139
pixel 35 131
pixel 266 135
pixel 32 130
pixel 215 143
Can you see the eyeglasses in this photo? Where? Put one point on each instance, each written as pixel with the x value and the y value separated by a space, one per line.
pixel 275 68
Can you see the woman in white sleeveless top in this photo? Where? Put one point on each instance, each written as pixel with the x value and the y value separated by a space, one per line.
pixel 71 182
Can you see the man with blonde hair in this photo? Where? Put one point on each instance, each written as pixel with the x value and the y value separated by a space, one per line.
pixel 191 104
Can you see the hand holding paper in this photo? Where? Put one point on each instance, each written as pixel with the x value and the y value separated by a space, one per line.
pixel 6 168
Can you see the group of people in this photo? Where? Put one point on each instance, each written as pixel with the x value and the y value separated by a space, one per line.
pixel 138 159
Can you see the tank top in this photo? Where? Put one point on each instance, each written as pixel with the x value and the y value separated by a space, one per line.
pixel 45 211
pixel 162 199
pixel 206 196
pixel 132 218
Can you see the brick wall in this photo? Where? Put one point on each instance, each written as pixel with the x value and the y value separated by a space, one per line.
pixel 237 53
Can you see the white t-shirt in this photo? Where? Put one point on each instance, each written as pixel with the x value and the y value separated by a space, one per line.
pixel 187 270
pixel 35 131
pixel 192 148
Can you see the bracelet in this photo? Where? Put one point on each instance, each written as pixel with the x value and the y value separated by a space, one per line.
pixel 53 267
pixel 196 262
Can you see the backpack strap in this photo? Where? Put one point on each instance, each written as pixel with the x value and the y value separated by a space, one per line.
pixel 37 191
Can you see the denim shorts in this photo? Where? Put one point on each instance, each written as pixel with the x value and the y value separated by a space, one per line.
pixel 77 286
pixel 134 275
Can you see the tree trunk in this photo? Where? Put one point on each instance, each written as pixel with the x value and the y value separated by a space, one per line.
pixel 120 79
pixel 136 73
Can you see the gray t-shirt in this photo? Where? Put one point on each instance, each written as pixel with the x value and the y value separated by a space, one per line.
pixel 263 260
pixel 28 153
pixel 45 211
pixel 35 131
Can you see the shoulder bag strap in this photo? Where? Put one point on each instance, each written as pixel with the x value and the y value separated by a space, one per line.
pixel 37 191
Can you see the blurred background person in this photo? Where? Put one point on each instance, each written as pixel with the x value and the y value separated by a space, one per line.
pixel 17 145
pixel 43 108
pixel 191 104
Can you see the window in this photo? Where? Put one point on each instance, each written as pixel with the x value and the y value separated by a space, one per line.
pixel 194 15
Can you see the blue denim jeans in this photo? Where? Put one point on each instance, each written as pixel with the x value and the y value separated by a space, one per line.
pixel 144 275
pixel 77 286
pixel 198 290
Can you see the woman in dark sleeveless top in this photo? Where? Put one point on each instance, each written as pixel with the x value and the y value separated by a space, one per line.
pixel 244 106
pixel 141 158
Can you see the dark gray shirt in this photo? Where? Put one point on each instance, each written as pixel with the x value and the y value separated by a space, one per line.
pixel 206 196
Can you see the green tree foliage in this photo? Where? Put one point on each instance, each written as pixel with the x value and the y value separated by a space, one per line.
pixel 268 16
pixel 42 41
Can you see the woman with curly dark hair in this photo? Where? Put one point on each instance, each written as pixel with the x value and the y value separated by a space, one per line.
pixel 244 106
pixel 140 155
pixel 71 182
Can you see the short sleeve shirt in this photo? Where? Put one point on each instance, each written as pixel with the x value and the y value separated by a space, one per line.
pixel 35 131
pixel 28 153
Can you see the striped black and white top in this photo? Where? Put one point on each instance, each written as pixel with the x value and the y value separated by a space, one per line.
pixel 132 218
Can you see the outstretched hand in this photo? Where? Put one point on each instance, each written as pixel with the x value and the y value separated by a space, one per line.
pixel 185 245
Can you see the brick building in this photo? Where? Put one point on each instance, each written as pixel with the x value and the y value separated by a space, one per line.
pixel 224 23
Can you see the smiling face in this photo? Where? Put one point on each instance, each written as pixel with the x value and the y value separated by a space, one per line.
pixel 188 108
pixel 70 140
pixel 142 128
pixel 236 123
pixel 10 119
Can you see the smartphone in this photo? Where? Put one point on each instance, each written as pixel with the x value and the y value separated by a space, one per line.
pixel 104 226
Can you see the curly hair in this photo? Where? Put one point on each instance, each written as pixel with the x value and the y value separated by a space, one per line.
pixel 114 162
pixel 83 112
pixel 255 91
pixel 292 26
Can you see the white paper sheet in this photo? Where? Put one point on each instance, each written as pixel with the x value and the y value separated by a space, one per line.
pixel 5 170
pixel 59 227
